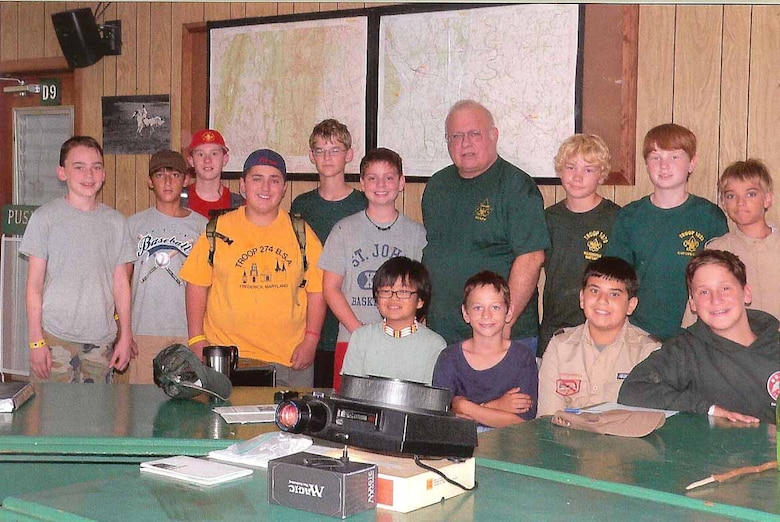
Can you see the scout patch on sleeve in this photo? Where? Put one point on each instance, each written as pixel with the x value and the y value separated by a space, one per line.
pixel 566 387
pixel 773 385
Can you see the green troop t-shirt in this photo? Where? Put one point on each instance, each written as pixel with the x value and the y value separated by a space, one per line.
pixel 321 215
pixel 479 224
pixel 659 243
pixel 577 238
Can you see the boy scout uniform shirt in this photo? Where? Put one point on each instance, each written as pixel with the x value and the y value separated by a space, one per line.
pixel 575 374
pixel 255 300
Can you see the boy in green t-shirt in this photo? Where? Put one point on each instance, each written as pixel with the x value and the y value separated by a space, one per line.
pixel 658 234
pixel 330 149
pixel 579 229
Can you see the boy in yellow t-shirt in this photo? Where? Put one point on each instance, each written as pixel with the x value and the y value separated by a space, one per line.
pixel 260 294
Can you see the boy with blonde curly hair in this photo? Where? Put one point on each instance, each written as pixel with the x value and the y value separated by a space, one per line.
pixel 579 228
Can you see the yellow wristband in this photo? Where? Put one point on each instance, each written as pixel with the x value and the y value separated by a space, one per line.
pixel 196 339
pixel 38 344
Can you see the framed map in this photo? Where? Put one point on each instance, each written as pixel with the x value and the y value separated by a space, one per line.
pixel 271 82
pixel 520 61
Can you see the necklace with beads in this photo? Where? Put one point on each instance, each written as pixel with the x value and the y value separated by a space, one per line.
pixel 403 332
pixel 383 229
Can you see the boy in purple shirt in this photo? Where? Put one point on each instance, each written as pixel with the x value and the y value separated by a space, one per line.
pixel 492 380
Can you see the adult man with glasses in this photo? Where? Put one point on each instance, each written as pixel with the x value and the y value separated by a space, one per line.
pixel 482 213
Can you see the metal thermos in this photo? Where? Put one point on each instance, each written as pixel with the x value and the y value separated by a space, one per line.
pixel 221 358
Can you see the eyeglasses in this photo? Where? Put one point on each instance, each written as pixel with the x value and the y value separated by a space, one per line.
pixel 459 137
pixel 400 294
pixel 333 152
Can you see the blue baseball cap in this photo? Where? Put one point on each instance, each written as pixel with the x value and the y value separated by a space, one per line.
pixel 266 157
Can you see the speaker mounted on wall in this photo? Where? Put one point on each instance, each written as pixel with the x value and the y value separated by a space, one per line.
pixel 82 40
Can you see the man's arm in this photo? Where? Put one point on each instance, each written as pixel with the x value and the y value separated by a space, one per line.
pixel 523 280
pixel 337 301
pixel 195 298
pixel 40 358
pixel 303 355
pixel 122 299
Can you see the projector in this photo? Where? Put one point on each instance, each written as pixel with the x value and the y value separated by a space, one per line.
pixel 412 423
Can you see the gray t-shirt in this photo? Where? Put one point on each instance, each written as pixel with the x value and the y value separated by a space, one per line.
pixel 372 352
pixel 355 249
pixel 162 245
pixel 82 249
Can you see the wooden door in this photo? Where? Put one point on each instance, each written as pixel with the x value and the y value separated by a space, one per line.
pixel 8 102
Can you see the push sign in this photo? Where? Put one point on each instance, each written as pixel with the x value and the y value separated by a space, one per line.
pixel 15 218
pixel 51 91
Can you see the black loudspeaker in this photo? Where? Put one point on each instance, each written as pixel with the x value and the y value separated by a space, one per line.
pixel 79 36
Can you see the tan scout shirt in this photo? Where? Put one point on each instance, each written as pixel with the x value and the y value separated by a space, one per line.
pixel 575 374
pixel 761 265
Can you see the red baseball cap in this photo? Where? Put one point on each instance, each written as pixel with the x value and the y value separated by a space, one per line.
pixel 207 136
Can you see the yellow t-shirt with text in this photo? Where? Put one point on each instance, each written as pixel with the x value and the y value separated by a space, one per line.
pixel 255 300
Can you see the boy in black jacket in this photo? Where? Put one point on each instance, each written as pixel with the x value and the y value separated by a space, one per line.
pixel 727 363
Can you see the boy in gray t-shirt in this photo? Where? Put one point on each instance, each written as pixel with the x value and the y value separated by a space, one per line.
pixel 164 235
pixel 77 278
pixel 359 244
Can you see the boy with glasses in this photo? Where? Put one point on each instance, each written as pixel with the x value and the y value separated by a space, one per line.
pixel 360 243
pixel 330 149
pixel 398 346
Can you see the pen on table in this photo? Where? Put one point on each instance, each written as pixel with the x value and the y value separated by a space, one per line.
pixel 731 474
pixel 573 410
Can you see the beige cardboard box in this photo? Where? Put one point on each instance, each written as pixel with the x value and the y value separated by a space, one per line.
pixel 404 486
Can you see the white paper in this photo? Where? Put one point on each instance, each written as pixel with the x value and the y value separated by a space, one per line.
pixel 194 470
pixel 247 414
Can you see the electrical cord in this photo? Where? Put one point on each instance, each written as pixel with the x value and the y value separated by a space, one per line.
pixel 424 466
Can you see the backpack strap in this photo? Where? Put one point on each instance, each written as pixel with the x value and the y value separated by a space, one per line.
pixel 299 226
pixel 212 235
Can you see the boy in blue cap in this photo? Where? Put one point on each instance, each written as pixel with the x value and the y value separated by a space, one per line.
pixel 258 287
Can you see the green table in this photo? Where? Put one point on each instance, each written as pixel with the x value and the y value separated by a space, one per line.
pixel 501 496
pixel 72 433
pixel 120 423
pixel 687 448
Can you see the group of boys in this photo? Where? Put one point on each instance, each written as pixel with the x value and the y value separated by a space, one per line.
pixel 259 277
pixel 691 270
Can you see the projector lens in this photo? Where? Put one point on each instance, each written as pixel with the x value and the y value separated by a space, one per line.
pixel 297 416
pixel 288 416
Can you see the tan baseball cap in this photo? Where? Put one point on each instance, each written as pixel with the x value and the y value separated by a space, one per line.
pixel 623 423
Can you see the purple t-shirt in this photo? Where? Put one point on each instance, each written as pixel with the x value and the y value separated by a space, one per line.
pixel 516 370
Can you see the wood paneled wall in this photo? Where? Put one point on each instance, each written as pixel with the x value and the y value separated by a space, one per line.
pixel 712 68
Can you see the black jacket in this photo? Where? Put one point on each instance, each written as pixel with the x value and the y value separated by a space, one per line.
pixel 698 368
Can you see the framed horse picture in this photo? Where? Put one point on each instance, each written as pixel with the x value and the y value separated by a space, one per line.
pixel 136 124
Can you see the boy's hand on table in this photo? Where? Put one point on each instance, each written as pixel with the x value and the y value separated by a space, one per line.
pixel 733 416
